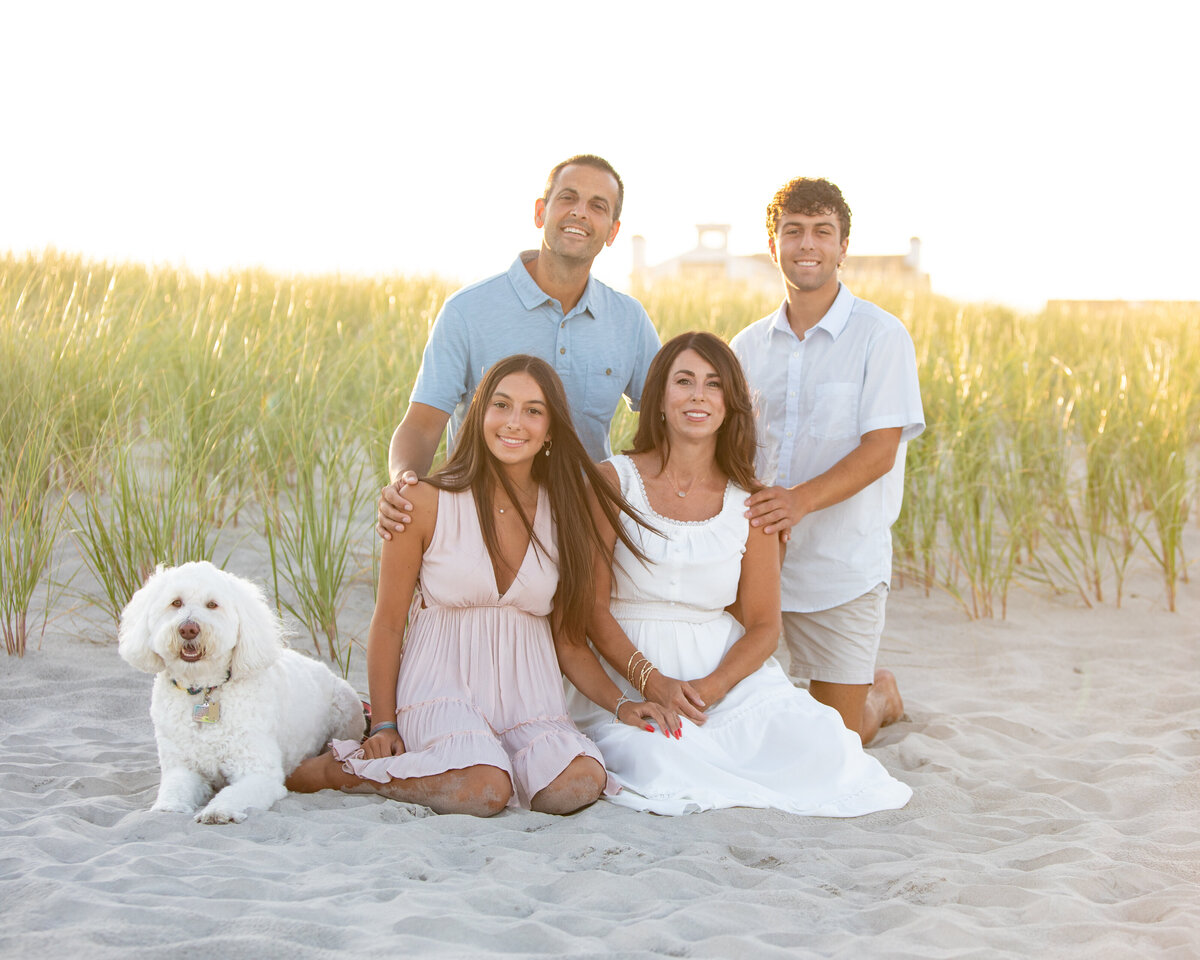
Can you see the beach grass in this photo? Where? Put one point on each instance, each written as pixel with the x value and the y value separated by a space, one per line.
pixel 1062 446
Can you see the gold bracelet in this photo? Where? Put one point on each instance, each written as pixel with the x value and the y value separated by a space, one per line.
pixel 629 666
pixel 647 669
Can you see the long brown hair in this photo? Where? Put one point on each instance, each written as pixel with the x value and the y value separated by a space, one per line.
pixel 735 438
pixel 567 473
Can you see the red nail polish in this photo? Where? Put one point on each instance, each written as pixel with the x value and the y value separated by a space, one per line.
pixel 679 733
pixel 648 727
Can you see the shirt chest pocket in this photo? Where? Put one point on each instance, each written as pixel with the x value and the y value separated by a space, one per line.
pixel 604 380
pixel 835 411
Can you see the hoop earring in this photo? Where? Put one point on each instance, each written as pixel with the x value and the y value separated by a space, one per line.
pixel 547 445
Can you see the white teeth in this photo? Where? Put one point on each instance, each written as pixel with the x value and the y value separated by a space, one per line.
pixel 696 415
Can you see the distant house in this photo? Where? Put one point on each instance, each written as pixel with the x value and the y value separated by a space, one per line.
pixel 710 260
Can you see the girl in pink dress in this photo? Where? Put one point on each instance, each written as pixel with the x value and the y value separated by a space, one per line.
pixel 502 549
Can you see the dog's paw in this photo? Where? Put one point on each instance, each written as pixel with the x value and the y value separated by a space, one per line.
pixel 215 814
pixel 172 806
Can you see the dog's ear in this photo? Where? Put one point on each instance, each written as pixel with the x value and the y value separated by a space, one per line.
pixel 133 633
pixel 260 634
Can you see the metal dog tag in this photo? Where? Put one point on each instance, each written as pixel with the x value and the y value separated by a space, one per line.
pixel 206 712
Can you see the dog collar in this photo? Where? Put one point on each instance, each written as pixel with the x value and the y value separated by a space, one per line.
pixel 205 690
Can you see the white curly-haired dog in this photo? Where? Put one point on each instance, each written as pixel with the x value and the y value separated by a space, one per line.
pixel 234 710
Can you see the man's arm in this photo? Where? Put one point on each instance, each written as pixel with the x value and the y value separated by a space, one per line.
pixel 647 346
pixel 781 508
pixel 416 440
pixel 410 456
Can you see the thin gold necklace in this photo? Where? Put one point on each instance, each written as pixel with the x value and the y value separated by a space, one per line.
pixel 674 486
pixel 500 509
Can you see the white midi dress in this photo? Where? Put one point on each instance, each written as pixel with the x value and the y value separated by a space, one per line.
pixel 767 743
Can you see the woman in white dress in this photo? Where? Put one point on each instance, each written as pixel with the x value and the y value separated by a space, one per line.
pixel 737 732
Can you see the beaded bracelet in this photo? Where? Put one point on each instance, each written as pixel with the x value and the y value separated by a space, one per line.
pixel 385 725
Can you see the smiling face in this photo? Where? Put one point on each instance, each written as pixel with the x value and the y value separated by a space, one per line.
pixel 694 398
pixel 577 216
pixel 517 420
pixel 809 249
pixel 192 621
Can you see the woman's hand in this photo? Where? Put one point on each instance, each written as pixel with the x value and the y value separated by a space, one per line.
pixel 386 743
pixel 678 697
pixel 647 715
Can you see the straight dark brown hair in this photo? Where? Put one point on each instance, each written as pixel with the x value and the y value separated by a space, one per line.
pixel 735 438
pixel 569 477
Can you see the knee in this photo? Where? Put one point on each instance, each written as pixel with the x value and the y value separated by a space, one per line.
pixel 579 786
pixel 485 791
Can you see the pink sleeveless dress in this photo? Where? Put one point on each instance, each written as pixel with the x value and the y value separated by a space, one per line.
pixel 479 681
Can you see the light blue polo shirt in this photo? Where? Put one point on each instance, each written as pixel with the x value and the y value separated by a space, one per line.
pixel 601 350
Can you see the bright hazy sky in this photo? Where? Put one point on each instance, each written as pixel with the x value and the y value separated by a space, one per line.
pixel 1038 149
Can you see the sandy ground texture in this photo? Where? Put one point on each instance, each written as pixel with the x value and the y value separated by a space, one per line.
pixel 1054 758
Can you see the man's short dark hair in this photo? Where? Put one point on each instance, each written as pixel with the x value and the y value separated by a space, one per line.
pixel 810 197
pixel 588 160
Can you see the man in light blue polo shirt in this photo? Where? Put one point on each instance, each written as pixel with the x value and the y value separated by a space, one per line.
pixel 838 399
pixel 599 341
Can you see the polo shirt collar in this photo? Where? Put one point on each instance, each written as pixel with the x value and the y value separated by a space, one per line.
pixel 533 296
pixel 834 321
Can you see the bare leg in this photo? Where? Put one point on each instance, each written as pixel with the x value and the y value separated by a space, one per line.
pixel 579 786
pixel 481 790
pixel 865 707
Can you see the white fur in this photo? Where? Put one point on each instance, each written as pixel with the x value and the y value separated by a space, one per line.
pixel 276 708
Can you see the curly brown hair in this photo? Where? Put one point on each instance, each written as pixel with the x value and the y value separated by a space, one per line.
pixel 811 197
pixel 566 472
pixel 735 438
pixel 588 160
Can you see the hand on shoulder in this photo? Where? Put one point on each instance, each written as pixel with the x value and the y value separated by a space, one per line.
pixel 419 517
pixel 394 508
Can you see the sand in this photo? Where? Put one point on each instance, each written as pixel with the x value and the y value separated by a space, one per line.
pixel 1054 758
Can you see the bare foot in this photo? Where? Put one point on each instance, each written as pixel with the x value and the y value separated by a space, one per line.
pixel 884 696
pixel 313 774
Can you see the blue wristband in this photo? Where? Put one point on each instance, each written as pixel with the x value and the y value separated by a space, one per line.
pixel 386 725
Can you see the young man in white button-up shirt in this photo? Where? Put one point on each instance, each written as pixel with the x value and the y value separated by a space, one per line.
pixel 835 381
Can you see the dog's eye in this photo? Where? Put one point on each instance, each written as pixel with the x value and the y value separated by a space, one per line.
pixel 212 604
pixel 177 602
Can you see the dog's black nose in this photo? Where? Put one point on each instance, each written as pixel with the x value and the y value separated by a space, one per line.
pixel 189 629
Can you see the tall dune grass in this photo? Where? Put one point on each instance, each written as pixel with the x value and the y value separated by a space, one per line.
pixel 1061 447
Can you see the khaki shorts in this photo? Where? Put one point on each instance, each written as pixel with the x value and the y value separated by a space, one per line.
pixel 838 645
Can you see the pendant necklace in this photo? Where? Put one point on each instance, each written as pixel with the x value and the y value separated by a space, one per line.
pixel 500 509
pixel 674 486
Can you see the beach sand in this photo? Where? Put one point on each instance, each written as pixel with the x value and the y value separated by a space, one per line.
pixel 1054 758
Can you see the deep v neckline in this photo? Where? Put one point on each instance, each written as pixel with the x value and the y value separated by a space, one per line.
pixel 502 594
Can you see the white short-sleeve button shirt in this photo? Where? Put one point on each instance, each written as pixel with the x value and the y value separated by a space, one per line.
pixel 854 372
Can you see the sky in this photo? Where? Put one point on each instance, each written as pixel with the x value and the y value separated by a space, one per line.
pixel 1040 150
